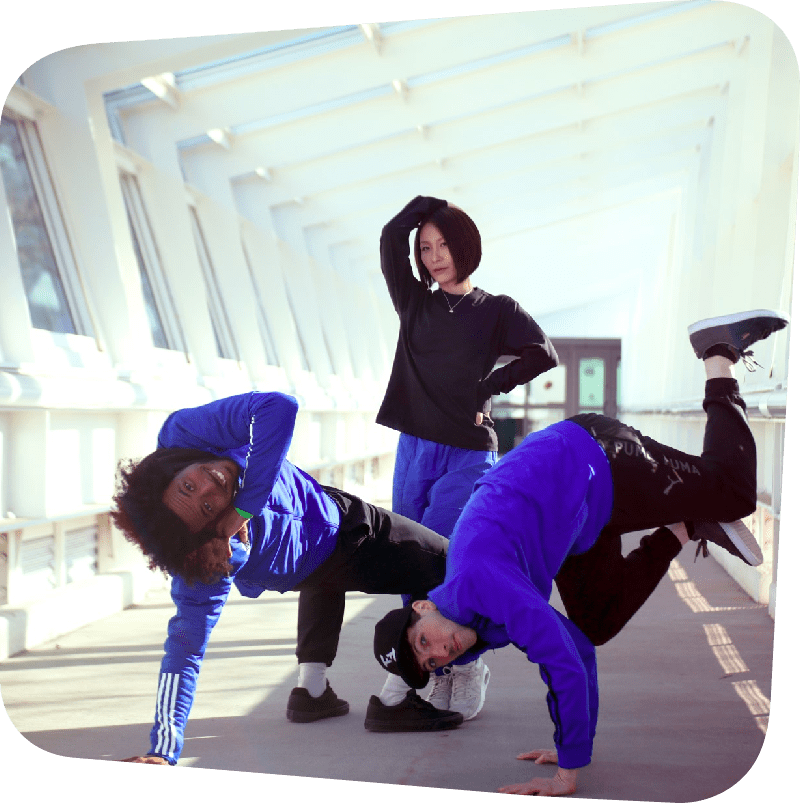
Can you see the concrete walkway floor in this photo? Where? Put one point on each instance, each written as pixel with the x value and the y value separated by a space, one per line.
pixel 684 704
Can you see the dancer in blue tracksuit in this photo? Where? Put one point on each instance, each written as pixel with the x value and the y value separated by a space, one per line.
pixel 442 381
pixel 553 509
pixel 218 504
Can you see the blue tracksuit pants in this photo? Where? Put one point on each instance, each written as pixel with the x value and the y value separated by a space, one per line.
pixel 432 482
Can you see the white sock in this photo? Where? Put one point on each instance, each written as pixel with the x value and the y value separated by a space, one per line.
pixel 312 678
pixel 394 690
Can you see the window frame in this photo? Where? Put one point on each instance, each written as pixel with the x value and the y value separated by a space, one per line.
pixel 220 321
pixel 152 265
pixel 267 338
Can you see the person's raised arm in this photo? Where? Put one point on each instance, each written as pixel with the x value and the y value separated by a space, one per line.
pixel 257 427
pixel 396 250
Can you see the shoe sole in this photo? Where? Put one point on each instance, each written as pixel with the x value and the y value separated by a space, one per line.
pixel 389 726
pixel 737 317
pixel 746 544
pixel 313 716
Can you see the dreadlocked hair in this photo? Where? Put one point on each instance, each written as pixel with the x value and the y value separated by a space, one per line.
pixel 143 518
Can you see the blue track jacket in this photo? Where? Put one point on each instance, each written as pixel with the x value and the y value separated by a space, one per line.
pixel 546 499
pixel 293 530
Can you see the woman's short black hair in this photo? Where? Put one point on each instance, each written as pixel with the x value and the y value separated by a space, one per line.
pixel 143 518
pixel 463 241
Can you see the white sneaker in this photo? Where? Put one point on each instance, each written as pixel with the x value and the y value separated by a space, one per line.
pixel 469 688
pixel 439 695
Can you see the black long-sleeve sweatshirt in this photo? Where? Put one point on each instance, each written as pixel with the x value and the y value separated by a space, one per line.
pixel 442 373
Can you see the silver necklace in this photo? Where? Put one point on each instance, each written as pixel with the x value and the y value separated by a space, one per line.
pixel 457 302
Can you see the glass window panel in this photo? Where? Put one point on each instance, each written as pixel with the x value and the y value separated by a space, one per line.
pixel 514 396
pixel 304 361
pixel 47 299
pixel 549 387
pixel 153 316
pixel 592 382
pixel 219 320
pixel 263 320
pixel 164 324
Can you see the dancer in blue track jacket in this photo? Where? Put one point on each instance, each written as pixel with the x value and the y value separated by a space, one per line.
pixel 218 504
pixel 553 509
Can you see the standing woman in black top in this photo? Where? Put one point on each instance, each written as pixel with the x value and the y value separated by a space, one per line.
pixel 441 384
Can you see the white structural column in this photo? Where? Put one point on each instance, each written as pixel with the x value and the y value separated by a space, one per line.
pixel 221 223
pixel 374 324
pixel 27 493
pixel 338 294
pixel 221 230
pixel 262 252
pixel 304 291
pixel 167 201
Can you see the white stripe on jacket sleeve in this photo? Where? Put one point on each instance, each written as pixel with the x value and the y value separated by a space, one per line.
pixel 166 742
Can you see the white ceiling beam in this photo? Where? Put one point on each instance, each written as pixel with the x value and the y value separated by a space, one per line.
pixel 383 117
pixel 350 72
pixel 530 207
pixel 538 174
pixel 498 198
pixel 487 146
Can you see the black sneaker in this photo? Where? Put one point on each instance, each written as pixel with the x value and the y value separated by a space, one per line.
pixel 302 707
pixel 412 714
pixel 730 535
pixel 737 332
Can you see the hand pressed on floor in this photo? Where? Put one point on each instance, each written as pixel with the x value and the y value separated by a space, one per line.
pixel 562 783
pixel 540 756
pixel 145 760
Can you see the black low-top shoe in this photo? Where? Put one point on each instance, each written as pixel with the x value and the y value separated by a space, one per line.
pixel 302 707
pixel 732 335
pixel 411 714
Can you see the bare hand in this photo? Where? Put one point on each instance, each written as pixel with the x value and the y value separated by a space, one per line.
pixel 540 756
pixel 562 783
pixel 145 760
pixel 478 419
pixel 230 523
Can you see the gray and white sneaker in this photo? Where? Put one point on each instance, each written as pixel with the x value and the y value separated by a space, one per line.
pixel 442 688
pixel 732 335
pixel 469 688
pixel 733 536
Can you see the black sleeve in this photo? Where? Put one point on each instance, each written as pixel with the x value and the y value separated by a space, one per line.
pixel 395 249
pixel 522 337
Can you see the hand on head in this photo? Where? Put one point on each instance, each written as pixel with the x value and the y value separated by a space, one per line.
pixel 231 523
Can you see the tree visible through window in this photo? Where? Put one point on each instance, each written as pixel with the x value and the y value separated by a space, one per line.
pixel 47 299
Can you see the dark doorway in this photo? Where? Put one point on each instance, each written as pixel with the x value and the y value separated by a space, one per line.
pixel 586 380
